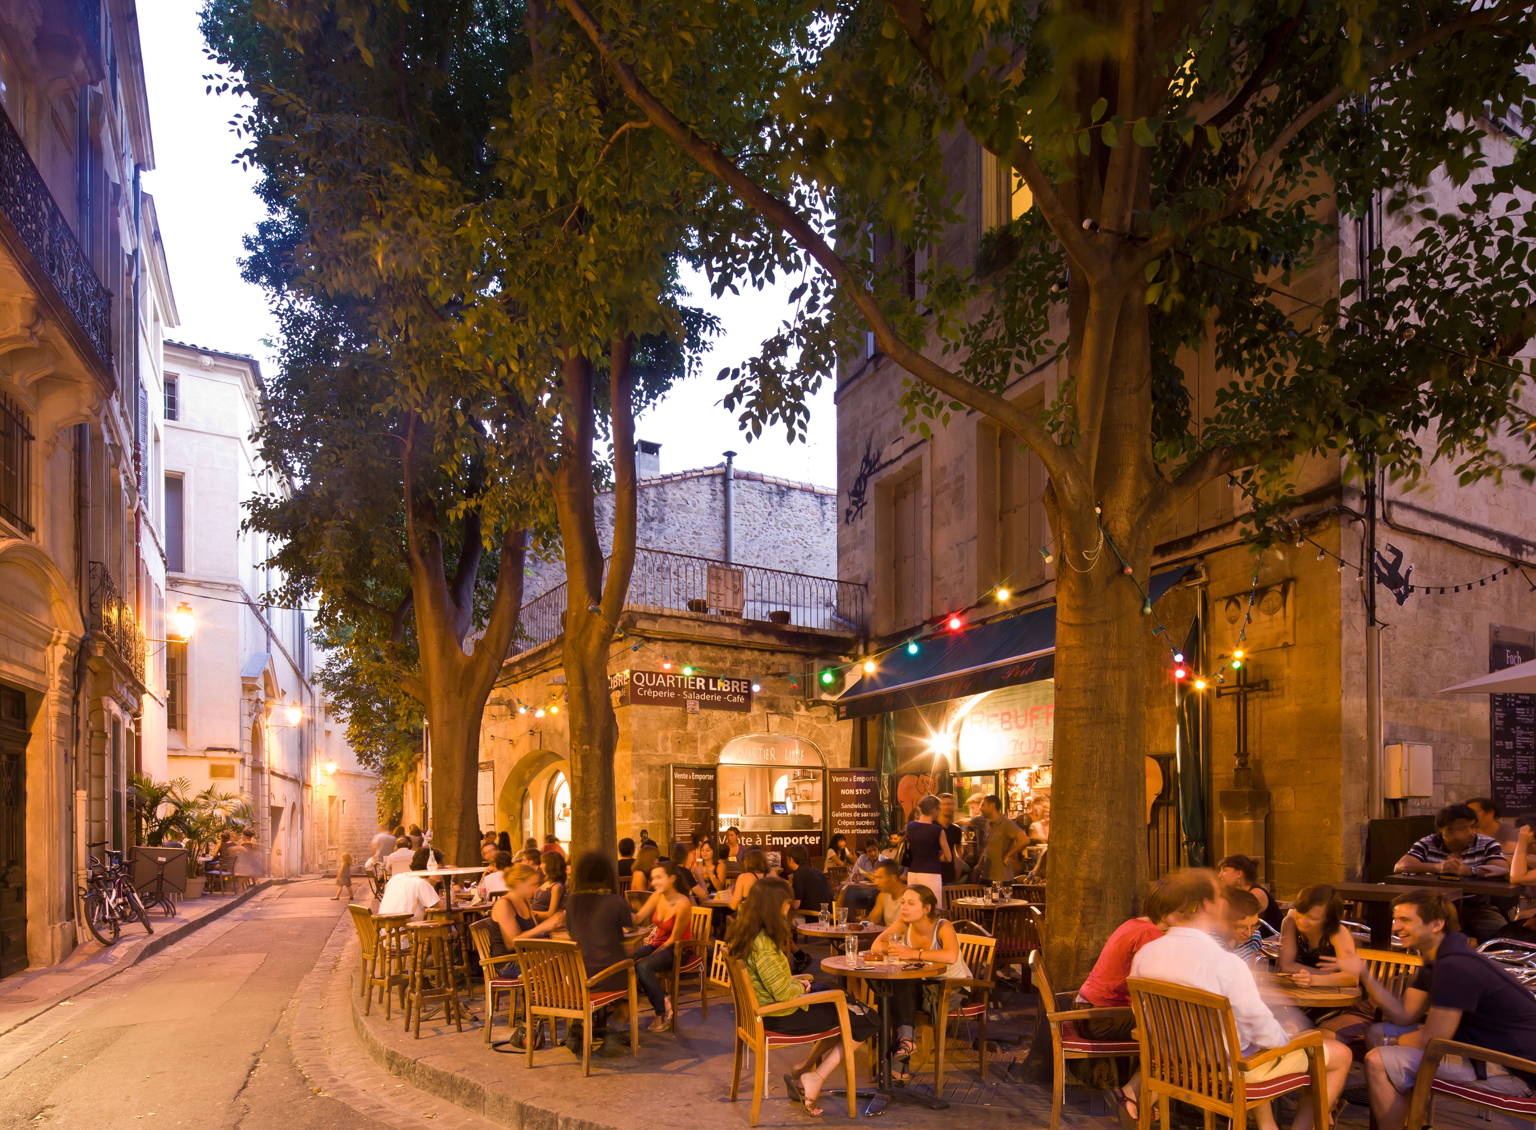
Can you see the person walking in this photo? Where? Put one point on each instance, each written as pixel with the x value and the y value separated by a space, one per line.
pixel 927 848
pixel 344 877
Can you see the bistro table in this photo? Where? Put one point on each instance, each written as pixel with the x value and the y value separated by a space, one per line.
pixel 865 930
pixel 880 973
pixel 1494 888
pixel 1279 988
pixel 448 873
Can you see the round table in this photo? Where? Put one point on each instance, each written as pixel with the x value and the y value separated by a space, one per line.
pixel 880 975
pixel 834 933
pixel 1277 988
pixel 988 904
pixel 718 902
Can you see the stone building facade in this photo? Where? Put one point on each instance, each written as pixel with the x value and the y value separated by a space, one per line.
pixel 931 525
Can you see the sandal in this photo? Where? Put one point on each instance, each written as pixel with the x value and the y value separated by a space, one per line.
pixel 661 1023
pixel 797 1093
pixel 902 1056
pixel 1129 1110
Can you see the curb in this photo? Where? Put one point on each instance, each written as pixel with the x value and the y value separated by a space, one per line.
pixel 157 942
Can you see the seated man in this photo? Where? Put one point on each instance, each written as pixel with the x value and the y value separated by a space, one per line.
pixel 408 893
pixel 1456 849
pixel 864 866
pixel 1469 998
pixel 400 859
pixel 1242 935
pixel 888 882
pixel 1188 954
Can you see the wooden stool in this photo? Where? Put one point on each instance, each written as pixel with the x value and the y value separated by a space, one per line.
pixel 459 948
pixel 385 949
pixel 432 950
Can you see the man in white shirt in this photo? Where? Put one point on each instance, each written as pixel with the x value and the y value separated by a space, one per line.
pixel 400 859
pixel 1189 955
pixel 383 844
pixel 410 892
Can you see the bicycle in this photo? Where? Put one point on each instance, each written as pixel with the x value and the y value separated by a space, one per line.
pixel 108 898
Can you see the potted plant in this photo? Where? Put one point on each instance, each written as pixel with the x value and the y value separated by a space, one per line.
pixel 209 815
pixel 163 812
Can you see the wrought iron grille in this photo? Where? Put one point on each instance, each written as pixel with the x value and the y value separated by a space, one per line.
pixel 30 207
pixel 15 465
pixel 113 619
pixel 679 582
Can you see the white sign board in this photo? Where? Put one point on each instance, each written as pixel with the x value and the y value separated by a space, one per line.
pixel 1011 728
pixel 487 796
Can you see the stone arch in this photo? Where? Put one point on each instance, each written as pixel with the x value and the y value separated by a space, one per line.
pixel 31 560
pixel 532 768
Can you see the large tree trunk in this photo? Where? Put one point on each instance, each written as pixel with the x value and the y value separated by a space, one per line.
pixel 453 727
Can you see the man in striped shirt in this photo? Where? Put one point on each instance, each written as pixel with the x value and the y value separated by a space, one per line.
pixel 1456 851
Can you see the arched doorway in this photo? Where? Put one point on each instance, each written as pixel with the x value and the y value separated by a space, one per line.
pixel 524 799
pixel 557 808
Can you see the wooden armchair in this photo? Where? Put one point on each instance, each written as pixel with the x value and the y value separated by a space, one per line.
pixel 1067 1040
pixel 720 966
pixel 692 956
pixel 1392 968
pixel 496 979
pixel 385 949
pixel 977 952
pixel 556 986
pixel 1426 1086
pixel 1190 1052
pixel 750 1033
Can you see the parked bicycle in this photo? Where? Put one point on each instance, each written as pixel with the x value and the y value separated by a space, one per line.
pixel 108 898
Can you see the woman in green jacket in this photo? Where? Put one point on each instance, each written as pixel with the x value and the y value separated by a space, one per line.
pixel 759 938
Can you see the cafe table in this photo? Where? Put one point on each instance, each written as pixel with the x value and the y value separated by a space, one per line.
pixel 448 873
pixel 881 974
pixel 1494 888
pixel 866 931
pixel 1279 988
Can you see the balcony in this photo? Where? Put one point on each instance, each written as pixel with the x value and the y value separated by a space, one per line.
pixel 51 257
pixel 678 582
pixel 113 621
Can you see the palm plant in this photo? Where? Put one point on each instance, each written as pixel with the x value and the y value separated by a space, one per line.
pixel 161 809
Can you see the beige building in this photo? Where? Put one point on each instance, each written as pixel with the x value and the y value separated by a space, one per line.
pixel 84 299
pixel 244 714
pixel 932 526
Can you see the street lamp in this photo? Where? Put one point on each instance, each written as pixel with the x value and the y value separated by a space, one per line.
pixel 330 769
pixel 295 714
pixel 183 622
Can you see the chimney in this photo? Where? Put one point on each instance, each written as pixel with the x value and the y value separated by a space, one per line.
pixel 647 459
pixel 730 507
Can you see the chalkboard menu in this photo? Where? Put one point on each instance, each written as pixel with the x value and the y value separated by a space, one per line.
pixel 853 805
pixel 1512 727
pixel 694 791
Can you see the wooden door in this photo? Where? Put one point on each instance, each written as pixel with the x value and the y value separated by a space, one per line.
pixel 13 831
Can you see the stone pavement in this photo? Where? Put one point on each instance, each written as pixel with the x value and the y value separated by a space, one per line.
pixel 34 991
pixel 677 1080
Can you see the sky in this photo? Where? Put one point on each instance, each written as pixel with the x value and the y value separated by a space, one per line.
pixel 206 204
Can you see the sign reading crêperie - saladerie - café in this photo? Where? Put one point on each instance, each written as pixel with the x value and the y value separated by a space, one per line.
pixel 695 692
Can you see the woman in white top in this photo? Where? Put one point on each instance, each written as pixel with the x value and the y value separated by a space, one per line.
pixel 918 935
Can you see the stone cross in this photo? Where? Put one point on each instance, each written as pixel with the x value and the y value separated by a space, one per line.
pixel 1241 691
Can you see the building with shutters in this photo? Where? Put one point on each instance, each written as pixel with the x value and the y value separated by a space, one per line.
pixel 244 714
pixel 84 300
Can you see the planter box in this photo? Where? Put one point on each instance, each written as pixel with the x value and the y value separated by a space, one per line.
pixel 195 887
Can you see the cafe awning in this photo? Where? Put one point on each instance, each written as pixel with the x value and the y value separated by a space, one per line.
pixel 1519 679
pixel 1004 653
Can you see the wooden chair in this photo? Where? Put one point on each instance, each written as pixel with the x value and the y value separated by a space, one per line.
pixel 1017 930
pixel 556 987
pixel 1426 1086
pixel 1067 1040
pixel 495 980
pixel 720 967
pixel 385 955
pixel 977 952
pixel 459 948
pixel 1190 1052
pixel 432 975
pixel 1392 968
pixel 836 878
pixel 690 957
pixel 750 1033
pixel 960 891
pixel 637 899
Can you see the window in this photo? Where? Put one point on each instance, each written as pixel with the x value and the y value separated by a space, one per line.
pixel 176 686
pixel 558 815
pixel 1004 195
pixel 175 560
pixel 332 819
pixel 1021 521
pixel 221 772
pixel 171 397
pixel 904 556
pixel 15 466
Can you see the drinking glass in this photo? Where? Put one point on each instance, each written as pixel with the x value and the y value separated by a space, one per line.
pixel 842 917
pixel 823 918
pixel 852 950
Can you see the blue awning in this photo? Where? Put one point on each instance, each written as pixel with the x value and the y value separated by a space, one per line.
pixel 1004 653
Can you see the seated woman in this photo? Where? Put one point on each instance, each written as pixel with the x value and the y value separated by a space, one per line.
pixel 1313 938
pixel 753 869
pixel 512 914
pixel 596 917
pixel 645 862
pixel 551 891
pixel 669 910
pixel 919 935
pixel 493 881
pixel 708 874
pixel 759 938
pixel 838 854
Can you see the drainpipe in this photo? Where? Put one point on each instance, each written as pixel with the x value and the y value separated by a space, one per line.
pixel 730 507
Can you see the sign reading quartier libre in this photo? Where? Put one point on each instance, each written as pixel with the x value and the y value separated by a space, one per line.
pixel 670 688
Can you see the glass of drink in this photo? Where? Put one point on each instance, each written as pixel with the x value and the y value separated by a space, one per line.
pixel 823 919
pixel 852 950
pixel 842 917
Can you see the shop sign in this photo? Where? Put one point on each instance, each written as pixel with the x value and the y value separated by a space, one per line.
pixel 694 792
pixel 1012 728
pixel 853 805
pixel 670 688
pixel 769 749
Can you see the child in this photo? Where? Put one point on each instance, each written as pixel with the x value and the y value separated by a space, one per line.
pixel 344 877
pixel 1243 935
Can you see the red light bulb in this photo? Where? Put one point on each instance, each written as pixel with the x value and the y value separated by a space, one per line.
pixel 954 623
pixel 1179 672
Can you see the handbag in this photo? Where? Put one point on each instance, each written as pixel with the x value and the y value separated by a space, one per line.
pixel 904 856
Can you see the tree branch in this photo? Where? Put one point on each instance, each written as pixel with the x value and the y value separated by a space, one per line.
pixel 506 606
pixel 621 563
pixel 1059 461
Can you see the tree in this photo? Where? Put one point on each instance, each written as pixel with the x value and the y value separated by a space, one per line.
pixel 1185 161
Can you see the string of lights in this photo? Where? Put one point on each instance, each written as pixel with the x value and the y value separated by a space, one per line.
pixel 1419 588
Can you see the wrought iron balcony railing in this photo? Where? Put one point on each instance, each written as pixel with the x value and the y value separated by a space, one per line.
pixel 681 583
pixel 29 206
pixel 113 619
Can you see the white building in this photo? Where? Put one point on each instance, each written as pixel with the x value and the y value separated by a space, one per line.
pixel 243 711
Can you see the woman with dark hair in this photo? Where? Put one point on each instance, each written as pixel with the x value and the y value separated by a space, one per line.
pixel 927 847
pixel 669 910
pixel 919 935
pixel 596 917
pixel 504 842
pixel 754 867
pixel 709 870
pixel 512 915
pixel 1313 938
pixel 552 891
pixel 838 854
pixel 645 863
pixel 1243 873
pixel 759 939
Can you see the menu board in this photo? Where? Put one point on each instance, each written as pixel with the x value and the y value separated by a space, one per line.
pixel 1512 733
pixel 853 805
pixel 694 791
